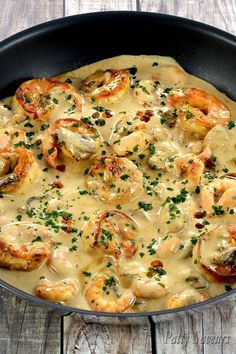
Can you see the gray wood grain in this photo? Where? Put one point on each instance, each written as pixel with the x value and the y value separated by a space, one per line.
pixel 219 13
pixel 27 329
pixel 90 338
pixel 16 15
pixel 73 7
pixel 207 331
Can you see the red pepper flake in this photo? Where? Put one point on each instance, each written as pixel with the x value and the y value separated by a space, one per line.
pixel 157 264
pixel 61 168
pixel 200 214
pixel 57 184
pixel 198 225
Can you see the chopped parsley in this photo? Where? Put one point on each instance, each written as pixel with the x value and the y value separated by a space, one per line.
pixel 87 274
pixel 152 149
pixel 218 210
pixel 228 288
pixel 37 239
pixel 150 248
pixel 194 240
pixel 124 177
pixel 231 124
pixel 133 70
pixel 145 206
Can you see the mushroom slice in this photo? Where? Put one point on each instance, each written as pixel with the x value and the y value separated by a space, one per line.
pixel 215 253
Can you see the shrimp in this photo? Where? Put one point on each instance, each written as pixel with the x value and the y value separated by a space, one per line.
pixel 106 86
pixel 113 232
pixel 145 93
pixel 24 246
pixel 198 111
pixel 114 179
pixel 168 224
pixel 147 288
pixel 37 98
pixel 162 154
pixel 191 168
pixel 131 135
pixel 222 189
pixel 168 246
pixel 187 297
pixel 61 291
pixel 11 136
pixel 16 169
pixel 59 261
pixel 215 253
pixel 99 297
pixel 72 138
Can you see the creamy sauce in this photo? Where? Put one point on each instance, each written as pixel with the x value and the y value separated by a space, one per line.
pixel 160 200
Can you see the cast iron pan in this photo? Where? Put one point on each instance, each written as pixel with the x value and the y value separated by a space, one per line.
pixel 67 43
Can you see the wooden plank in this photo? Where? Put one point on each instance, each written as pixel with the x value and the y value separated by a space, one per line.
pixel 73 7
pixel 91 338
pixel 17 15
pixel 219 13
pixel 208 331
pixel 26 328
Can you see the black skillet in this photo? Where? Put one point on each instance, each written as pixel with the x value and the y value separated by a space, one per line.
pixel 65 44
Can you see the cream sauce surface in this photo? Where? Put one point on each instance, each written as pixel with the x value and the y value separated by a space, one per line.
pixel 161 201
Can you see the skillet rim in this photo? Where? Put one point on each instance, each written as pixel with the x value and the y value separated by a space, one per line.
pixel 59 23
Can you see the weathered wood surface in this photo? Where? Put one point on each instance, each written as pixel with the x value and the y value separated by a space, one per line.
pixel 26 329
pixel 16 15
pixel 218 13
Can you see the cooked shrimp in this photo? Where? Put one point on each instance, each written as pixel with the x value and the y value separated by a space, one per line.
pixel 221 193
pixel 168 246
pixel 145 93
pixel 112 179
pixel 59 261
pixel 11 136
pixel 191 168
pixel 187 297
pixel 107 86
pixel 60 291
pixel 113 232
pixel 148 288
pixel 16 169
pixel 169 224
pixel 72 138
pixel 131 134
pixel 215 253
pixel 162 154
pixel 37 98
pixel 99 297
pixel 199 111
pixel 24 246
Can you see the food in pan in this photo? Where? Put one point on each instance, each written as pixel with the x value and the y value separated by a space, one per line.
pixel 118 187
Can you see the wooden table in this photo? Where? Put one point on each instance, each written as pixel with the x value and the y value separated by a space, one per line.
pixel 27 329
